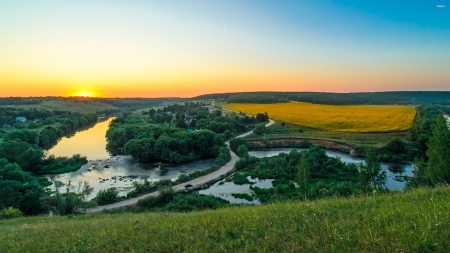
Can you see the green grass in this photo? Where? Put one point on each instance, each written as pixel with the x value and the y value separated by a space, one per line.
pixel 354 139
pixel 417 221
pixel 68 168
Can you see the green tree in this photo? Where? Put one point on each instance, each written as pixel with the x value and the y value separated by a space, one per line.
pixel 242 151
pixel 303 175
pixel 259 129
pixel 438 169
pixel 396 145
pixel 371 174
pixel 419 179
pixel 181 124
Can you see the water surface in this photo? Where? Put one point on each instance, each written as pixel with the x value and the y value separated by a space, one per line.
pixel 90 143
pixel 122 171
pixel 224 190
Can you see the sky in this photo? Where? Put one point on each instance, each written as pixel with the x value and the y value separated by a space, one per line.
pixel 188 48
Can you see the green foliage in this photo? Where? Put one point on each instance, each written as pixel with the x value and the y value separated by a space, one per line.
pixel 242 151
pixel 243 196
pixel 336 178
pixel 10 213
pixel 259 129
pixel 438 170
pixel 419 179
pixel 163 143
pixel 303 175
pixel 371 173
pixel 57 165
pixel 107 196
pixel 262 117
pixel 241 179
pixel 236 142
pixel 31 137
pixel 396 145
pixel 20 190
pixel 71 202
pixel 169 200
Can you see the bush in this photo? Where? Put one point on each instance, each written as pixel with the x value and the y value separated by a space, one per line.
pixel 107 196
pixel 10 213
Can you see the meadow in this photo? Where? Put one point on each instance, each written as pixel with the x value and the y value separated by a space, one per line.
pixel 336 118
pixel 414 221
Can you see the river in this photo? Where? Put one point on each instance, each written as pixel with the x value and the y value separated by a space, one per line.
pixel 103 171
pixel 90 143
pixel 395 175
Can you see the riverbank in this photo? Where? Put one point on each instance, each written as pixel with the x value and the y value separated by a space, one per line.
pixel 414 221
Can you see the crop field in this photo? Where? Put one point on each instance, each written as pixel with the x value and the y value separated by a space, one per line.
pixel 336 118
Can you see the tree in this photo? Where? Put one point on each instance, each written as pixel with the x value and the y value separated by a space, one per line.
pixel 11 150
pixel 419 179
pixel 262 117
pixel 396 145
pixel 371 174
pixel 259 129
pixel 303 175
pixel 438 170
pixel 23 135
pixel 181 124
pixel 242 151
pixel 216 113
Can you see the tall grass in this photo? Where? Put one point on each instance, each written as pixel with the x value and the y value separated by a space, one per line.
pixel 348 118
pixel 416 221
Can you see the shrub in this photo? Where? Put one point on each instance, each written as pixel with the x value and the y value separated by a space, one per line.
pixel 10 212
pixel 107 196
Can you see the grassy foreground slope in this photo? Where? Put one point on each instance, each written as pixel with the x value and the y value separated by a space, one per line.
pixel 338 118
pixel 416 221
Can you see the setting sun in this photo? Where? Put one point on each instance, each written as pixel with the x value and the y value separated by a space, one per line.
pixel 83 94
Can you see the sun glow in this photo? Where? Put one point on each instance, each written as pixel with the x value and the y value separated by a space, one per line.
pixel 83 94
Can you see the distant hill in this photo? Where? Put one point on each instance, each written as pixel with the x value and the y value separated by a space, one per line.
pixel 389 97
pixel 83 104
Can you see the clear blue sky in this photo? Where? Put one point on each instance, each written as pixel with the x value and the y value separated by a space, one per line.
pixel 186 48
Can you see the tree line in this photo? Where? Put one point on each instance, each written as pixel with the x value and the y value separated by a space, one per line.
pixel 391 97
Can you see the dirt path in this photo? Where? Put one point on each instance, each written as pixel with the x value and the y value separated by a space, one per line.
pixel 195 182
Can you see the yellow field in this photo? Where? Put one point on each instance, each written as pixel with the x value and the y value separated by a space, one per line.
pixel 347 118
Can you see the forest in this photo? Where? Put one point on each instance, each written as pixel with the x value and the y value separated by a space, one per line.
pixel 357 98
pixel 175 134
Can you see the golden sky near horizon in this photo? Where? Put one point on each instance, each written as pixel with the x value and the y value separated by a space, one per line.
pixel 184 49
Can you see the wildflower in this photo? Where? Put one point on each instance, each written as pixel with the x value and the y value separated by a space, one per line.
pixel 374 191
pixel 410 203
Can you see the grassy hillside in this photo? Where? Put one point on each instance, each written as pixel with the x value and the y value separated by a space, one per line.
pixel 417 221
pixel 350 118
